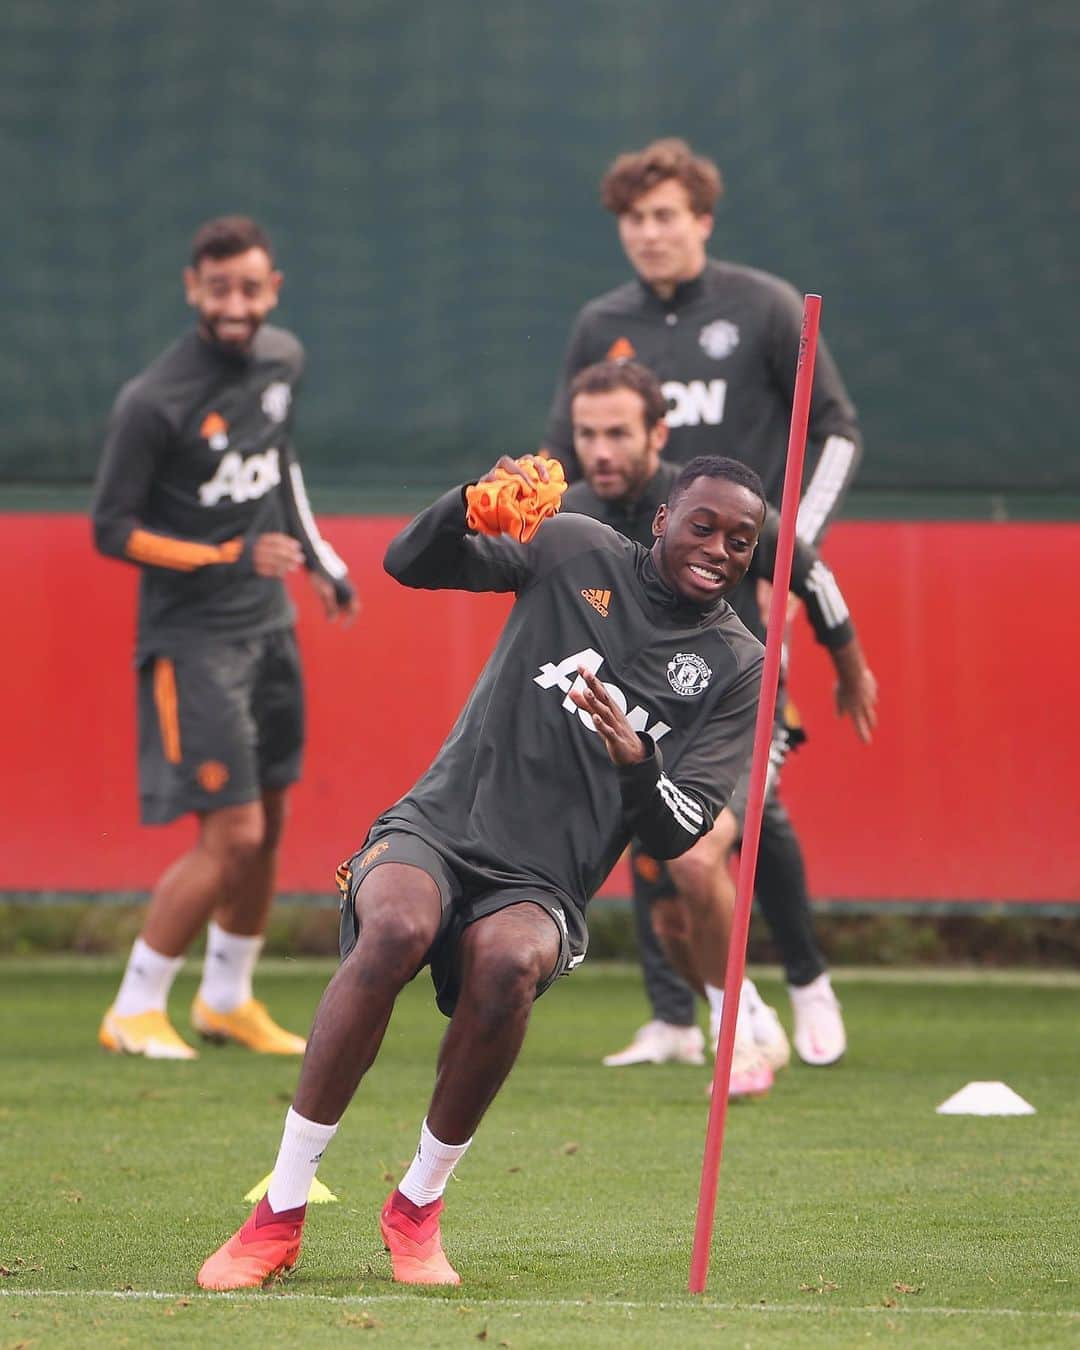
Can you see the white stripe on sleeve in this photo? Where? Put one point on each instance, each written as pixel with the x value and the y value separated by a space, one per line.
pixel 824 488
pixel 822 584
pixel 685 810
pixel 326 555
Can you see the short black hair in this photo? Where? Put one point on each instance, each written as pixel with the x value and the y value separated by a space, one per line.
pixel 717 466
pixel 228 237
pixel 605 377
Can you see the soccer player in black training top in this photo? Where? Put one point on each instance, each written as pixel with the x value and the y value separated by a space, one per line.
pixel 723 339
pixel 199 487
pixel 618 417
pixel 620 700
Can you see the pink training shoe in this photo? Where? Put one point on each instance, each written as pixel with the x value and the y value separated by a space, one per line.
pixel 267 1244
pixel 411 1234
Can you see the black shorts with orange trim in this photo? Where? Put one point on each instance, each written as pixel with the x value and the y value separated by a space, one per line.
pixel 462 905
pixel 219 722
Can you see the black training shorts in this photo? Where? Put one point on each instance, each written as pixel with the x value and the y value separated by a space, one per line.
pixel 461 906
pixel 218 723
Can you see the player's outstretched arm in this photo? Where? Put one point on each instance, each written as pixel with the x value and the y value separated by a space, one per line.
pixel 856 688
pixel 436 551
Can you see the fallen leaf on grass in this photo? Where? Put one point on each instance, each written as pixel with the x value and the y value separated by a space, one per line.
pixel 362 1321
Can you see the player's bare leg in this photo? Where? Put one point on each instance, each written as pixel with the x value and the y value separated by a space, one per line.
pixel 225 1008
pixel 399 909
pixel 673 925
pixel 706 888
pixel 189 891
pixel 245 905
pixel 502 960
pixel 181 903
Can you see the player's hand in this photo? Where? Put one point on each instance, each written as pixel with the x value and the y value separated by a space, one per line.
pixel 333 608
pixel 856 697
pixel 518 469
pixel 622 742
pixel 276 555
pixel 764 601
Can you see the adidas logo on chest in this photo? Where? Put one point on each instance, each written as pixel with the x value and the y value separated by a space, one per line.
pixel 599 599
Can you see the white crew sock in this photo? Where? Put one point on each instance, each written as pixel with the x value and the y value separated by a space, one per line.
pixel 749 998
pixel 430 1170
pixel 227 968
pixel 743 1030
pixel 302 1146
pixel 147 981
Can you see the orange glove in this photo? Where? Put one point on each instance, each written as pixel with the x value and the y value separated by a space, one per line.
pixel 506 504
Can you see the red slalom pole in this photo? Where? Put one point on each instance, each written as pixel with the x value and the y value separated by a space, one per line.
pixel 755 802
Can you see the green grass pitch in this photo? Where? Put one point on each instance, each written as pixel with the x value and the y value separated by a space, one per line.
pixel 849 1212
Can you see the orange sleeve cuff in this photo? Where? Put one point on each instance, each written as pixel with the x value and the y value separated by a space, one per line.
pixel 180 555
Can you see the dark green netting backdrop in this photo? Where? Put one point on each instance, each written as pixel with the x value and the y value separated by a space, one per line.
pixel 429 170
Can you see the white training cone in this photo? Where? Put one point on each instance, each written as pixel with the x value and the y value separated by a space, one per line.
pixel 986 1099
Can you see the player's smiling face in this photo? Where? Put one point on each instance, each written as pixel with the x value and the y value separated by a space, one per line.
pixel 618 453
pixel 705 541
pixel 663 238
pixel 233 296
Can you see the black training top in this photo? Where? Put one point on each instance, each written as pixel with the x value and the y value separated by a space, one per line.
pixel 724 348
pixel 198 462
pixel 523 791
pixel 811 578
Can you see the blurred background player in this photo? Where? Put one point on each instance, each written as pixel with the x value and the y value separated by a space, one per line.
pixel 723 340
pixel 618 419
pixel 484 868
pixel 199 488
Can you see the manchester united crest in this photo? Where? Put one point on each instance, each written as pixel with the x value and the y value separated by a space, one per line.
pixel 688 674
pixel 719 338
pixel 276 399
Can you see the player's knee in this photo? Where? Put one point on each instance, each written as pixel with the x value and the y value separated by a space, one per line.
pixel 389 951
pixel 396 926
pixel 670 921
pixel 695 876
pixel 505 974
pixel 236 838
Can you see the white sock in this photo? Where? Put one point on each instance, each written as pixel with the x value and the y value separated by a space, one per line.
pixel 302 1146
pixel 743 1029
pixel 749 998
pixel 147 981
pixel 430 1170
pixel 228 968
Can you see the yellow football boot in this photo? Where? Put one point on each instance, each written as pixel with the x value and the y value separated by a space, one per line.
pixel 250 1025
pixel 149 1033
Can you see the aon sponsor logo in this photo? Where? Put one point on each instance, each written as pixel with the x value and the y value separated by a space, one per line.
pixel 242 479
pixel 691 404
pixel 565 677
